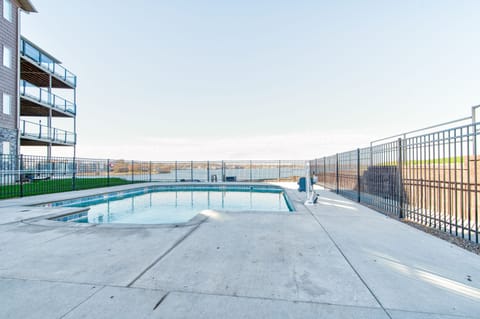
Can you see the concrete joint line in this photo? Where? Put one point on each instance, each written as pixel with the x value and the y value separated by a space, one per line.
pixel 88 298
pixel 308 302
pixel 61 236
pixel 161 300
pixel 178 242
pixel 348 262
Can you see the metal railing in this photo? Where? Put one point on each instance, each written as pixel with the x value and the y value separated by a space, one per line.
pixel 43 60
pixel 44 97
pixel 42 132
pixel 29 175
pixel 431 179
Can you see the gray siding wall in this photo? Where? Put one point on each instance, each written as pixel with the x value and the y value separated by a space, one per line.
pixel 8 78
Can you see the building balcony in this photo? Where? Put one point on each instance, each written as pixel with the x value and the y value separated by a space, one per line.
pixel 37 66
pixel 35 101
pixel 35 134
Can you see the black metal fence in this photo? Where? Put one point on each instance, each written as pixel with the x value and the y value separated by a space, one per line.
pixel 431 179
pixel 30 175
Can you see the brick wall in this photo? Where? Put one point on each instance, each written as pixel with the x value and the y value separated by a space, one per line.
pixel 9 135
pixel 8 77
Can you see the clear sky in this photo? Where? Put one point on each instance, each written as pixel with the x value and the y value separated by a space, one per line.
pixel 259 79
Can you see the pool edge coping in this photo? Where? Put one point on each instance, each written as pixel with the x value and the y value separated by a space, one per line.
pixel 47 219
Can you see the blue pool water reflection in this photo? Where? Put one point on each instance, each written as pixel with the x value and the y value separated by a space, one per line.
pixel 165 207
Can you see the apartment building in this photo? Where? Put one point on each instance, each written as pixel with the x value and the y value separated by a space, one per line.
pixel 33 86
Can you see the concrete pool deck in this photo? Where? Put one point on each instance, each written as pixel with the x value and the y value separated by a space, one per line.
pixel 336 259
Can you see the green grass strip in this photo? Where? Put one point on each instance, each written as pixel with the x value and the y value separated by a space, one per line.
pixel 57 186
pixel 436 161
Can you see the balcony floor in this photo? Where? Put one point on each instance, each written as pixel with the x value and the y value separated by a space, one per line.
pixel 26 140
pixel 33 73
pixel 30 107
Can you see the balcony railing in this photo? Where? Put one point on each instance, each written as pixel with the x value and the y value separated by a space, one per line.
pixel 45 133
pixel 43 96
pixel 28 50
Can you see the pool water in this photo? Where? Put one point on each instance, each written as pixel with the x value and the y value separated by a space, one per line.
pixel 174 206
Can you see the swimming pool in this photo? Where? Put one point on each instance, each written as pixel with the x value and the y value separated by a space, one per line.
pixel 174 204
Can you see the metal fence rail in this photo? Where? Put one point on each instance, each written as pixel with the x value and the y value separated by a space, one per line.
pixel 431 179
pixel 30 175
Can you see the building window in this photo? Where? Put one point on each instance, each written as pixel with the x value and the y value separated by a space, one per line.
pixel 8 10
pixel 7 103
pixel 7 57
pixel 6 148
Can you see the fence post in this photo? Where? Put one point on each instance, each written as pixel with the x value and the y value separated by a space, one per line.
pixel 176 171
pixel 74 175
pixel 150 171
pixel 400 179
pixel 21 179
pixel 475 170
pixel 325 172
pixel 358 174
pixel 371 154
pixel 208 172
pixel 223 171
pixel 251 175
pixel 132 171
pixel 279 169
pixel 191 171
pixel 108 172
pixel 337 172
